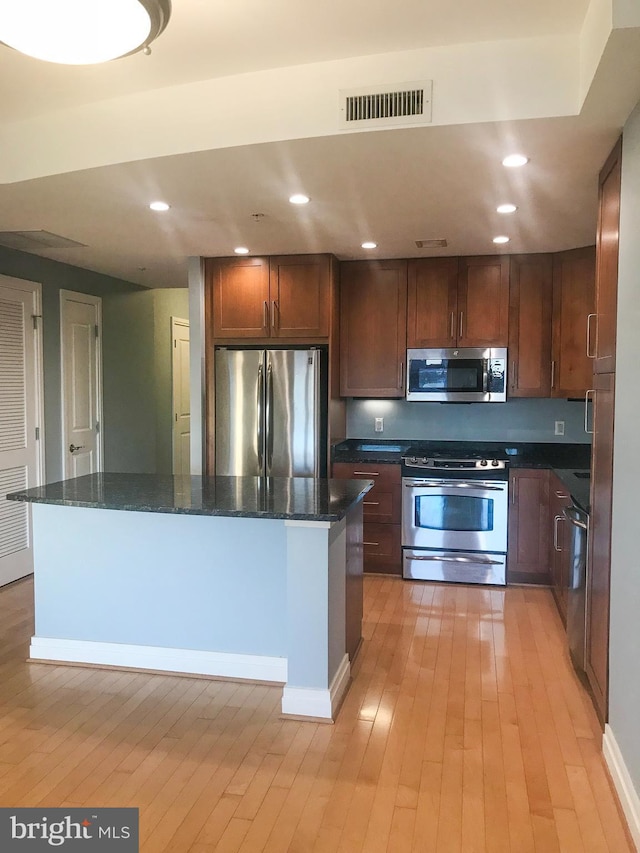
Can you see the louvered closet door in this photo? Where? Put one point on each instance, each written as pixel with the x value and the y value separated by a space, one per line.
pixel 18 413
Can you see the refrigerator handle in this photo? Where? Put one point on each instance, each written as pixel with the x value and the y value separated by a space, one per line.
pixel 315 361
pixel 269 420
pixel 260 419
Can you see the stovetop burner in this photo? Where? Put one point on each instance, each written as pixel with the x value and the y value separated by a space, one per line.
pixel 455 461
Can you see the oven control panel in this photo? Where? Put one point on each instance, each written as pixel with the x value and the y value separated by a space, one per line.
pixel 431 464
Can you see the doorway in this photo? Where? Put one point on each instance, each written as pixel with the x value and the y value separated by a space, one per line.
pixel 181 396
pixel 81 364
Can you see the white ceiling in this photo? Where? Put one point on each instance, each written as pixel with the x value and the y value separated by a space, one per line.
pixel 394 186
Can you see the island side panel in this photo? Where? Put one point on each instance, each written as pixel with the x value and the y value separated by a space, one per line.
pixel 354 580
pixel 318 666
pixel 175 582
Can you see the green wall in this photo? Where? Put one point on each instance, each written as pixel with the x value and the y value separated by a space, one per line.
pixel 136 361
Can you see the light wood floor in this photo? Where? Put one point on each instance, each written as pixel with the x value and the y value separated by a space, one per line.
pixel 464 730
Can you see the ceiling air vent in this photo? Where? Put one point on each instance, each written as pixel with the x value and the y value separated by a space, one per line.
pixel 436 243
pixel 33 241
pixel 386 106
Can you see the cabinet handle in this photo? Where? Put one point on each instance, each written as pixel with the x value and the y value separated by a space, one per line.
pixel 514 370
pixel 514 484
pixel 553 375
pixel 266 315
pixel 401 385
pixel 274 308
pixel 560 494
pixel 555 532
pixel 371 503
pixel 586 411
pixel 589 353
pixel 373 544
pixel 366 473
pixel 453 331
pixel 461 316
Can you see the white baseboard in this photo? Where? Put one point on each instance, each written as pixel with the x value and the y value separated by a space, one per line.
pixel 317 702
pixel 189 661
pixel 627 794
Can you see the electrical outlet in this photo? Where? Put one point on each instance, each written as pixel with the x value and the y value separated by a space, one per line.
pixel 559 427
pixel 378 424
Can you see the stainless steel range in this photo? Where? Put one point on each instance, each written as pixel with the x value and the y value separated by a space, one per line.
pixel 454 517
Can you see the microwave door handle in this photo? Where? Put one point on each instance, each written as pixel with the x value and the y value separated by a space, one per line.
pixel 485 375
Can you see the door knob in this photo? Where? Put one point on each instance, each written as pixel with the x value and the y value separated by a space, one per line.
pixel 73 447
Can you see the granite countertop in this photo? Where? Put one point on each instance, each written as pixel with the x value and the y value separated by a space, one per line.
pixel 571 462
pixel 298 498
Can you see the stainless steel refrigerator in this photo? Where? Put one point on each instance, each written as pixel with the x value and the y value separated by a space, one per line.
pixel 269 412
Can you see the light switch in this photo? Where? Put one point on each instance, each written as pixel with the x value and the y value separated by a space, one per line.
pixel 559 427
pixel 378 424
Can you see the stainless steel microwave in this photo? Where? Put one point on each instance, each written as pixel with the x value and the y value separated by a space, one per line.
pixel 464 375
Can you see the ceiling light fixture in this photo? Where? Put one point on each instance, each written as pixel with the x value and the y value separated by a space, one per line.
pixel 506 208
pixel 159 205
pixel 299 198
pixel 514 160
pixel 369 245
pixel 82 32
pixel 241 250
pixel 501 239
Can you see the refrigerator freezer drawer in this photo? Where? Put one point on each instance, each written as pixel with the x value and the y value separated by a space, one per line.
pixel 454 566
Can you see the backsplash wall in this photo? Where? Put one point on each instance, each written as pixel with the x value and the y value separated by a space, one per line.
pixel 516 420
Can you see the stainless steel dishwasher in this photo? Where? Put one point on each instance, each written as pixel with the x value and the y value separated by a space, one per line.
pixel 577 598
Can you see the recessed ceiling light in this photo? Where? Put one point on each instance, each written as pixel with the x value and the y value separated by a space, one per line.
pixel 241 250
pixel 299 198
pixel 514 160
pixel 159 205
pixel 369 245
pixel 501 239
pixel 506 208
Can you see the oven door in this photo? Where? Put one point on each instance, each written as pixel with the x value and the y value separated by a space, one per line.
pixel 458 515
pixel 454 566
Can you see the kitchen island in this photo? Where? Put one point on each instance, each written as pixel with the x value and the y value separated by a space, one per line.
pixel 237 577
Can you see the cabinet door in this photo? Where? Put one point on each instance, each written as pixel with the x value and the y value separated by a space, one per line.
pixel 240 290
pixel 299 290
pixel 373 323
pixel 530 298
pixel 607 263
pixel 599 558
pixel 483 302
pixel 573 302
pixel 559 498
pixel 432 302
pixel 528 543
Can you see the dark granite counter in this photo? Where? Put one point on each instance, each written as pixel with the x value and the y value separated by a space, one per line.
pixel 299 498
pixel 571 462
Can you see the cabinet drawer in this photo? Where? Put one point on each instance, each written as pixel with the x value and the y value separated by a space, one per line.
pixel 383 502
pixel 382 551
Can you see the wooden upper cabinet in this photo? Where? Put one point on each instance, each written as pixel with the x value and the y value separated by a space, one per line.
pixel 240 296
pixel 373 322
pixel 530 303
pixel 278 297
pixel 432 303
pixel 573 302
pixel 300 296
pixel 483 302
pixel 604 345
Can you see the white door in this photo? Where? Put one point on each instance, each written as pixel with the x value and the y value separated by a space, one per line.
pixel 80 333
pixel 21 438
pixel 181 396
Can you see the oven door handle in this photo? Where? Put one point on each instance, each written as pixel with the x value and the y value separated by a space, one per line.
pixel 478 486
pixel 434 559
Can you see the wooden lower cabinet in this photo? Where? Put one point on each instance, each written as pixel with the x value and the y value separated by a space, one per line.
pixel 382 514
pixel 528 542
pixel 559 498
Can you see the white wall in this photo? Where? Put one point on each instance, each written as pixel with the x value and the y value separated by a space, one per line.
pixel 624 709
